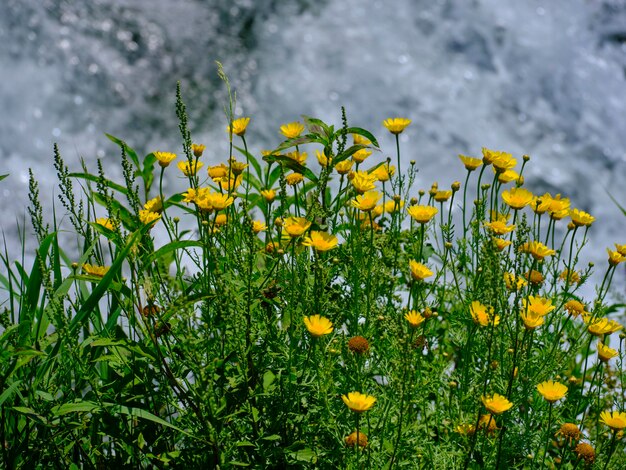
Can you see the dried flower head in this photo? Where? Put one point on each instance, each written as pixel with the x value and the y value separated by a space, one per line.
pixel 358 345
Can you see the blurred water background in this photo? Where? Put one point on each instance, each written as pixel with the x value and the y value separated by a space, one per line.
pixel 545 78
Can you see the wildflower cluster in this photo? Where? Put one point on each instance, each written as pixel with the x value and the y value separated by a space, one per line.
pixel 316 312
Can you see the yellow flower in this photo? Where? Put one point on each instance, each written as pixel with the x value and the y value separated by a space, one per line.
pixel 218 172
pixel 154 205
pixel 384 172
pixel 514 282
pixel 109 224
pixel 537 249
pixel 393 206
pixel 268 194
pixel 606 353
pixel 294 179
pixel 363 181
pixel 321 241
pixel 559 207
pixel 190 195
pixel 358 402
pixel 422 214
pixel 621 249
pixel 615 257
pixel 488 423
pixel 292 130
pixel 344 167
pixel 93 270
pixel 532 320
pixel 419 272
pixel 366 202
pixel 534 277
pixel 442 196
pixel 414 318
pixel 508 176
pixel 470 163
pixel 500 243
pixel 239 126
pixel 615 419
pixel 147 217
pixel 188 169
pixel 603 326
pixel 322 159
pixel 352 440
pixel 396 125
pixel 299 157
pixel 318 325
pixel 229 185
pixel 197 149
pixel 360 140
pixel 236 167
pixel 552 391
pixel 465 429
pixel 221 220
pixel 360 155
pixel 496 404
pixel 570 276
pixel 499 227
pixel 581 218
pixel 208 201
pixel 258 226
pixel 575 308
pixel 483 314
pixel 538 305
pixel 517 198
pixel 503 161
pixel 296 226
pixel 489 155
pixel 164 158
pixel 541 204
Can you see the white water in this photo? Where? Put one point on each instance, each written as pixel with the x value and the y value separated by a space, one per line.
pixel 544 78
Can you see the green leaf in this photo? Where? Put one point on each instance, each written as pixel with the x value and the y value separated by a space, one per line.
pixel 616 203
pixel 143 414
pixel 8 393
pixel 108 183
pixel 91 303
pixel 292 165
pixel 77 407
pixel 3 176
pixel 129 151
pixel 268 379
pixel 168 248
pixel 362 132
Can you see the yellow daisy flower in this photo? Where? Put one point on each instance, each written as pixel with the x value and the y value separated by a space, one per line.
pixel 422 214
pixel 292 130
pixel 496 404
pixel 164 158
pixel 470 163
pixel 396 125
pixel 517 198
pixel 358 402
pixel 552 391
pixel 366 202
pixel 296 226
pixel 318 325
pixel 414 318
pixel 614 419
pixel 419 272
pixel 239 126
pixel 321 241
